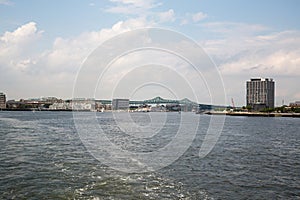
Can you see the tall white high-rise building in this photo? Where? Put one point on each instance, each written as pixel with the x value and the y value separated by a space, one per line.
pixel 2 101
pixel 260 93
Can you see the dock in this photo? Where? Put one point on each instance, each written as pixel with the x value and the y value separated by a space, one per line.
pixel 253 114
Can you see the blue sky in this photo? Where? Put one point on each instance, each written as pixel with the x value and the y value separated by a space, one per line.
pixel 63 18
pixel 43 43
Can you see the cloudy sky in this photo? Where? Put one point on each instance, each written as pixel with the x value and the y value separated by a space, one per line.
pixel 43 44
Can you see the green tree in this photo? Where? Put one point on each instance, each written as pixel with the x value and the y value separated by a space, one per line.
pixel 249 108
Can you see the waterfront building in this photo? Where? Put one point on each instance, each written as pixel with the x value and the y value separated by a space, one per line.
pixel 260 93
pixel 61 106
pixel 173 108
pixel 2 101
pixel 82 104
pixel 120 104
pixel 208 107
pixel 295 104
pixel 158 108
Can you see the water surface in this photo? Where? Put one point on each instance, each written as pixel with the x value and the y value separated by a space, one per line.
pixel 42 157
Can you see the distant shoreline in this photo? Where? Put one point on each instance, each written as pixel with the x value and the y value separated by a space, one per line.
pixel 43 110
pixel 247 114
pixel 254 114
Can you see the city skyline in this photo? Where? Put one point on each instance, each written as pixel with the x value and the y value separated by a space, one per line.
pixel 262 97
pixel 41 52
pixel 251 98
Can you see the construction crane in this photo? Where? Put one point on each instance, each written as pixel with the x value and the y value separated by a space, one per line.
pixel 233 106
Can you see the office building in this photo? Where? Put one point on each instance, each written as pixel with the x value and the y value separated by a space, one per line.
pixel 260 93
pixel 2 101
pixel 120 104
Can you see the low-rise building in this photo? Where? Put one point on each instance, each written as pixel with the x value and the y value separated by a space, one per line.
pixel 295 104
pixel 173 108
pixel 158 108
pixel 61 106
pixel 120 104
pixel 76 105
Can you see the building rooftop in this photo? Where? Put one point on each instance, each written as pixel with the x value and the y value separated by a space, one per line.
pixel 261 79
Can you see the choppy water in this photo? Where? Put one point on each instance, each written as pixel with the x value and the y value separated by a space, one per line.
pixel 42 157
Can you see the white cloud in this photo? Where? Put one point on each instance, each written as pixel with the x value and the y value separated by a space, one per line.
pixel 184 22
pixel 69 53
pixel 121 69
pixel 18 46
pixel 199 16
pixel 263 54
pixel 23 65
pixel 168 16
pixel 21 34
pixel 135 7
pixel 6 2
pixel 137 3
pixel 193 18
pixel 234 29
pixel 241 56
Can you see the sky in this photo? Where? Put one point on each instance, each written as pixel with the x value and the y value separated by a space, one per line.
pixel 44 44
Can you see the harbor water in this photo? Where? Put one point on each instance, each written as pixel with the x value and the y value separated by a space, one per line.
pixel 42 156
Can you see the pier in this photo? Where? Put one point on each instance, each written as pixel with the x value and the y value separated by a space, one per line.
pixel 253 114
